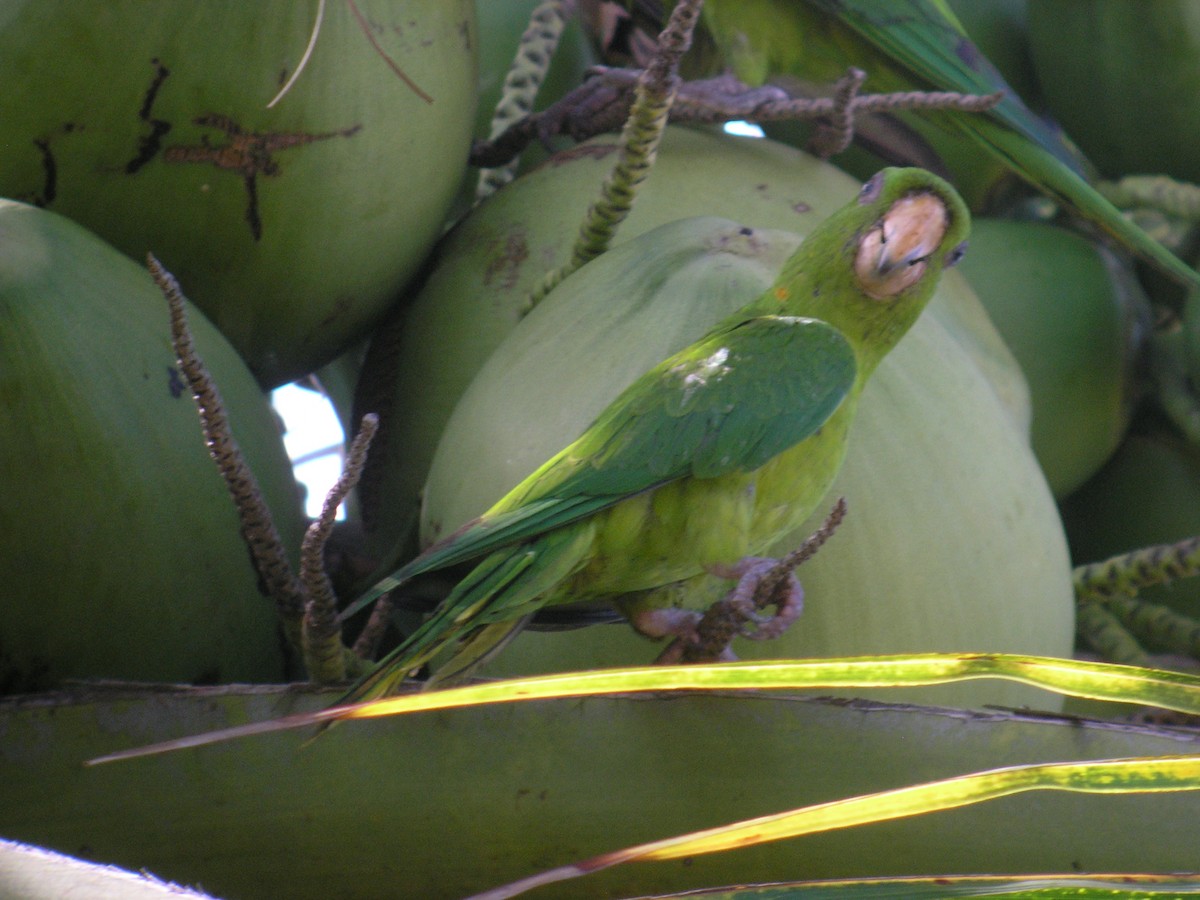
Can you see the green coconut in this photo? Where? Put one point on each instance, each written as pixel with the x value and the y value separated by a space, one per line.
pixel 294 225
pixel 420 364
pixel 122 552
pixel 952 542
pixel 1075 317
pixel 1124 80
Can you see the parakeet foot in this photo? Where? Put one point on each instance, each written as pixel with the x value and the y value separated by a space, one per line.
pixel 761 582
pixel 759 585
pixel 682 625
pixel 706 637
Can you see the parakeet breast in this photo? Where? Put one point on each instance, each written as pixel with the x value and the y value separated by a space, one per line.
pixel 682 528
pixel 791 485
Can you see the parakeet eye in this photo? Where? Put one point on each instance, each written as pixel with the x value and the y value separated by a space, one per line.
pixel 955 255
pixel 893 255
pixel 871 190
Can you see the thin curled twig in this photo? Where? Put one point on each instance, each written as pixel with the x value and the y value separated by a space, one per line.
pixel 326 658
pixel 653 96
pixel 834 135
pixel 522 83
pixel 258 528
pixel 304 57
pixel 367 643
pixel 363 24
pixel 602 103
pixel 306 605
pixel 368 33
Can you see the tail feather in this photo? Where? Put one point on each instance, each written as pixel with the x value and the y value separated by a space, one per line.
pixel 476 650
pixel 485 610
pixel 453 615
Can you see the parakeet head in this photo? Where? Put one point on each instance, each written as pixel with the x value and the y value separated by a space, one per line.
pixel 870 268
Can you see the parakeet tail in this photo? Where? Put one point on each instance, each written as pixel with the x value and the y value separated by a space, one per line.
pixel 485 610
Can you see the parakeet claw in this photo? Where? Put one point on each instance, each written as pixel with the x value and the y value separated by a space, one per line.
pixel 682 624
pixel 761 582
pixel 706 637
pixel 756 589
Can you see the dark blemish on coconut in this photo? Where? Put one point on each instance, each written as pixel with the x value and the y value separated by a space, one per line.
pixel 801 207
pixel 160 75
pixel 150 144
pixel 247 153
pixel 341 306
pixel 49 165
pixel 505 258
pixel 175 382
pixel 49 175
pixel 253 217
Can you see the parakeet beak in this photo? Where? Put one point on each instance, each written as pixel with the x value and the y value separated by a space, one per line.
pixel 892 255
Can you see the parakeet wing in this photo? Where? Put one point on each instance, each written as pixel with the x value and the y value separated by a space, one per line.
pixel 729 402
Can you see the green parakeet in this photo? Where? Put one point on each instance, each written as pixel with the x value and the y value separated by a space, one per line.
pixel 906 45
pixel 708 458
